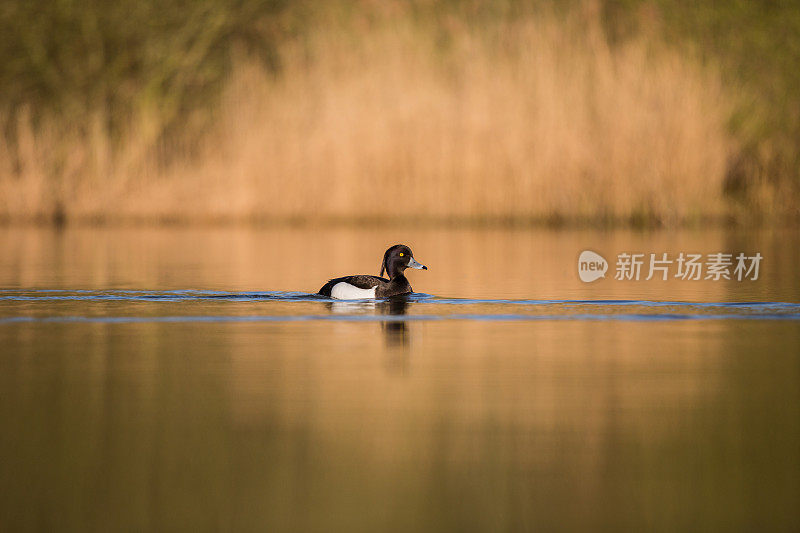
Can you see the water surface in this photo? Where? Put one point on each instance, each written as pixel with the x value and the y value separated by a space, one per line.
pixel 189 379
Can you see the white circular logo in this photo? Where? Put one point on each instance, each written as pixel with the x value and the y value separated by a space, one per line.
pixel 591 266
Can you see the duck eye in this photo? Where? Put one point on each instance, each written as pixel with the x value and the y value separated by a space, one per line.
pixel 401 254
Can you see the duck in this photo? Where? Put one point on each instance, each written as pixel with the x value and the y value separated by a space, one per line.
pixel 396 260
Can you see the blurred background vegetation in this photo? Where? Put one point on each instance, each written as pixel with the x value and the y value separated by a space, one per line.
pixel 131 109
pixel 72 58
pixel 755 46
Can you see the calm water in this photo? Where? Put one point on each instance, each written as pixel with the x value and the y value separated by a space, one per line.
pixel 187 379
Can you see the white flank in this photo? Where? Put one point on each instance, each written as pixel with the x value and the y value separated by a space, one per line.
pixel 345 291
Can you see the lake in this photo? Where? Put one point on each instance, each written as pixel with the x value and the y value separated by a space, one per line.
pixel 188 379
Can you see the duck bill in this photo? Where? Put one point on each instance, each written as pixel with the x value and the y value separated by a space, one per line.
pixel 412 263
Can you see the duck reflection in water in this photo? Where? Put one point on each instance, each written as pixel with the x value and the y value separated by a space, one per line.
pixel 395 330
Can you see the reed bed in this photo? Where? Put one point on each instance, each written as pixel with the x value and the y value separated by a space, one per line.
pixel 538 119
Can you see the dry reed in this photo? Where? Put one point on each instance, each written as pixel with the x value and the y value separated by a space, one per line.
pixel 539 120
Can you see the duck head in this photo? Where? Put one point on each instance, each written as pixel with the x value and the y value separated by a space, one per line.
pixel 397 259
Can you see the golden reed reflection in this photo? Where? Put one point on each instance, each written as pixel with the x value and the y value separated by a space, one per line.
pixel 464 263
pixel 391 424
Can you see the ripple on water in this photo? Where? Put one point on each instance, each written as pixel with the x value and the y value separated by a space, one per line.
pixel 415 307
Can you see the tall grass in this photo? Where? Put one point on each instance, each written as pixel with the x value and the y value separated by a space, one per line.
pixel 527 120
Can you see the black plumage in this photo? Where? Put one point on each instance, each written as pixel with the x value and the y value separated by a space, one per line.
pixel 395 261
